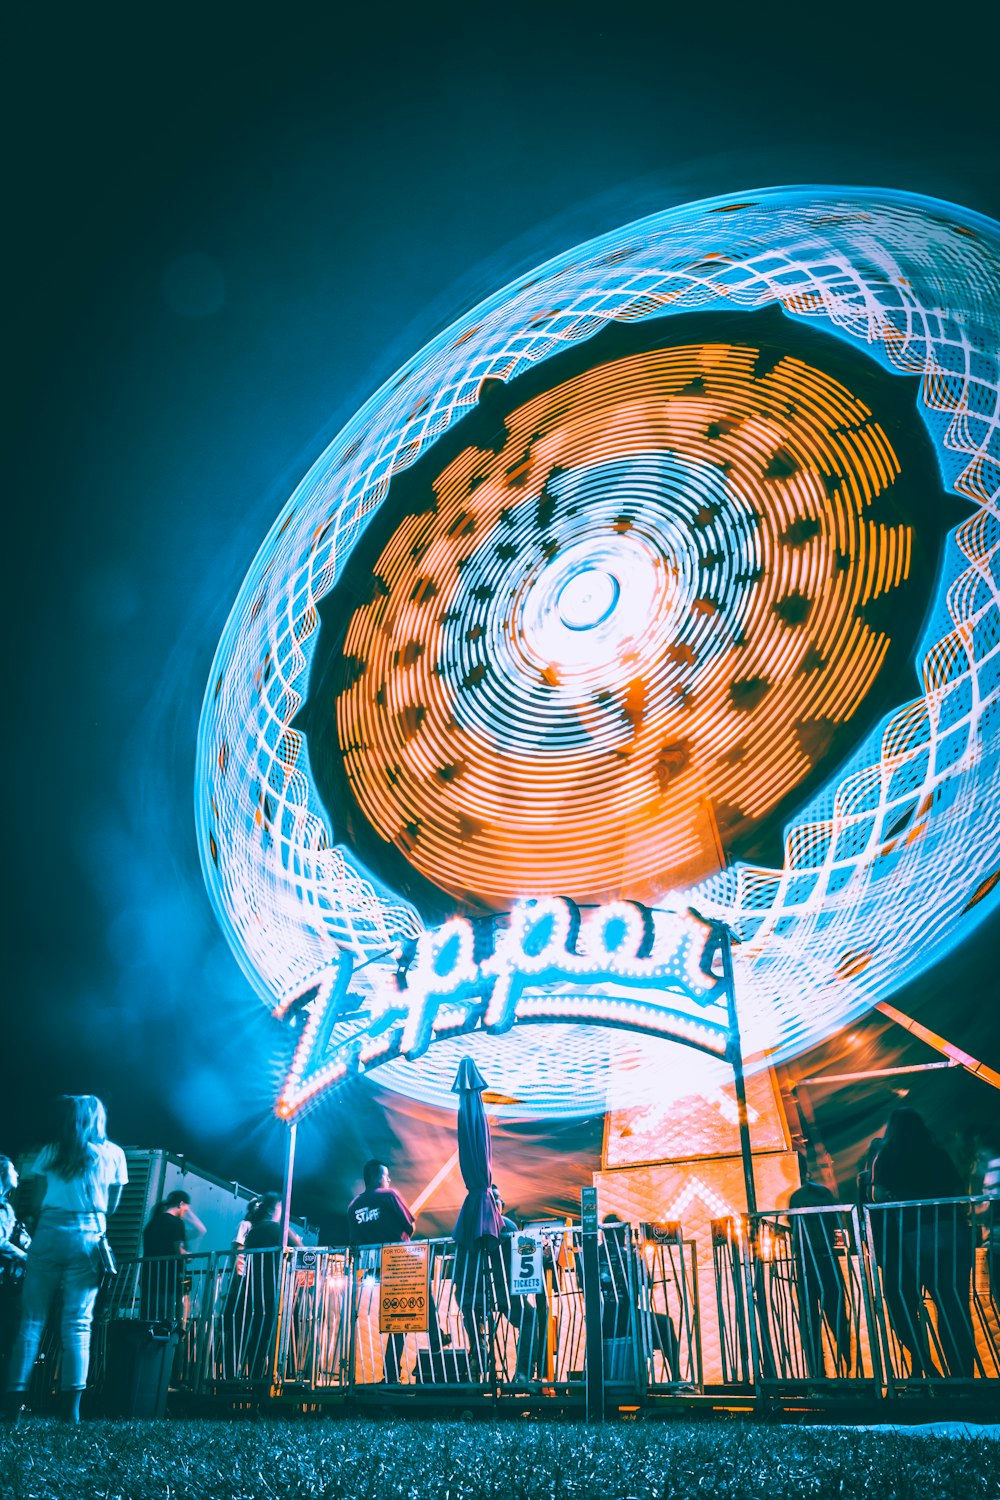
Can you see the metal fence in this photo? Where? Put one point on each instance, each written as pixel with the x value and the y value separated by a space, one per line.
pixel 480 1333
pixel 820 1299
pixel 889 1297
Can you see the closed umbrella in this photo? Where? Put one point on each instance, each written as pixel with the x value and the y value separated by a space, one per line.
pixel 479 1280
pixel 479 1217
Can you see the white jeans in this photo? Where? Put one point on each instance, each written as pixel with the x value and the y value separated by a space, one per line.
pixel 61 1258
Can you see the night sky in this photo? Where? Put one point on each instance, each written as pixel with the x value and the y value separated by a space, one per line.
pixel 229 227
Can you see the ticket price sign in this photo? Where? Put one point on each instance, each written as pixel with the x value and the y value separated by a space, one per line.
pixel 527 1274
pixel 404 1301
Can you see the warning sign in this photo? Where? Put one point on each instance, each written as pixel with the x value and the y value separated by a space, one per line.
pixel 403 1304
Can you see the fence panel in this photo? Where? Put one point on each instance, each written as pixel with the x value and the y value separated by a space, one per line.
pixel 811 1298
pixel 935 1296
pixel 478 1334
pixel 729 1264
pixel 896 1296
pixel 239 1342
pixel 667 1304
pixel 314 1341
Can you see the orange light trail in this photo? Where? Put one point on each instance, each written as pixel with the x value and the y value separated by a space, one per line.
pixel 727 512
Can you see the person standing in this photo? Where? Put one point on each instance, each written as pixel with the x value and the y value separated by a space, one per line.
pixel 936 1238
pixel 14 1242
pixel 375 1217
pixel 819 1282
pixel 896 1277
pixel 262 1248
pixel 528 1311
pixel 378 1216
pixel 84 1175
pixel 165 1241
pixel 481 1278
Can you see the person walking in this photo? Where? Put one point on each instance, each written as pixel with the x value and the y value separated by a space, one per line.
pixel 84 1176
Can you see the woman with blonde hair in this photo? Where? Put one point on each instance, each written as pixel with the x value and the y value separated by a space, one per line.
pixel 84 1175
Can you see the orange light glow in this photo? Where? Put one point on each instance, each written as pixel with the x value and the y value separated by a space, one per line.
pixel 727 512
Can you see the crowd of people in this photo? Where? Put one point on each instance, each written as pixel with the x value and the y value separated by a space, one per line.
pixel 924 1252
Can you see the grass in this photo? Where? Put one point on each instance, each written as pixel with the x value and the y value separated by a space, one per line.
pixel 398 1460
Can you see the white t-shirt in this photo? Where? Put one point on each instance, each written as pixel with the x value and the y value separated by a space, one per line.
pixel 76 1194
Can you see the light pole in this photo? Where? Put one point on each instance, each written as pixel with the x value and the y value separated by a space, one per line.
pixel 734 1056
pixel 286 1192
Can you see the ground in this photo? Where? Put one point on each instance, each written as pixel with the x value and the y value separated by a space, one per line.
pixel 259 1459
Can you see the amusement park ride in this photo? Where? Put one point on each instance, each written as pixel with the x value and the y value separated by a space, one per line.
pixel 616 699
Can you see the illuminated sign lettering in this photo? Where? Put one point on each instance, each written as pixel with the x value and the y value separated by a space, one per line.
pixel 621 965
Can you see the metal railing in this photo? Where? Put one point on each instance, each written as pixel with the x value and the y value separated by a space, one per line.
pixel 874 1300
pixel 811 1299
pixel 884 1298
pixel 936 1293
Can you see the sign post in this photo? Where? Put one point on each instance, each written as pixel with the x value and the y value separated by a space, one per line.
pixel 286 1187
pixel 734 1056
pixel 527 1272
pixel 592 1309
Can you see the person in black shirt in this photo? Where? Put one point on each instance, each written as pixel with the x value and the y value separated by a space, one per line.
pixel 261 1280
pixel 936 1240
pixel 820 1285
pixel 164 1244
pixel 378 1216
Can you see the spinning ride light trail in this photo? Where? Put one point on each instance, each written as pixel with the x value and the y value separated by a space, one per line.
pixel 686 620
pixel 647 541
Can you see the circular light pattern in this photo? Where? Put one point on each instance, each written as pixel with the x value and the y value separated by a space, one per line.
pixel 589 595
pixel 597 680
pixel 715 535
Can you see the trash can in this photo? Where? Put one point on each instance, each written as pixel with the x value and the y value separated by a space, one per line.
pixel 619 1362
pixel 140 1358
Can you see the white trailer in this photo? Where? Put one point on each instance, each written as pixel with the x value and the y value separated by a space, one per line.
pixel 220 1205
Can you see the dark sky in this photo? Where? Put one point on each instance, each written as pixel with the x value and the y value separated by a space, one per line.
pixel 228 227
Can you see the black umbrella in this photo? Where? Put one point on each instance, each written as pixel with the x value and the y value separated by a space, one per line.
pixel 479 1218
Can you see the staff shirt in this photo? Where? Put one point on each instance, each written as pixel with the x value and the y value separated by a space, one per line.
pixel 378 1216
